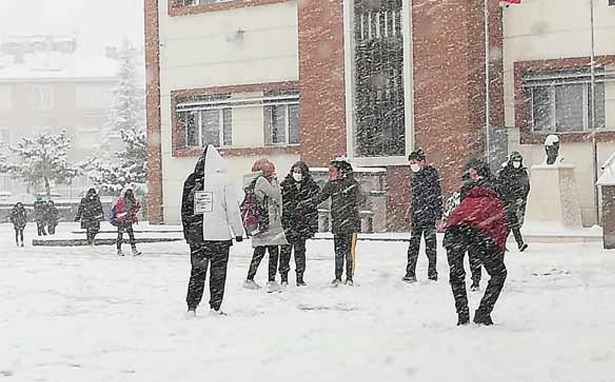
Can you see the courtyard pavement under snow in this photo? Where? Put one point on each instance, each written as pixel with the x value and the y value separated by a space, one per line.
pixel 84 314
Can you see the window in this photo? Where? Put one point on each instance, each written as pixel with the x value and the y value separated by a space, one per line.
pixel 5 136
pixel 6 98
pixel 281 125
pixel 42 98
pixel 187 3
pixel 561 101
pixel 93 96
pixel 208 127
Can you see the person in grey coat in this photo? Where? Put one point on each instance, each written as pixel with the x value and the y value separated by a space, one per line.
pixel 269 197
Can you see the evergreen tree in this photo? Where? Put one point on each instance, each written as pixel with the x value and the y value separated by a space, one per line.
pixel 115 166
pixel 43 160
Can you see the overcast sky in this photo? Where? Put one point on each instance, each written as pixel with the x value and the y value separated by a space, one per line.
pixel 94 23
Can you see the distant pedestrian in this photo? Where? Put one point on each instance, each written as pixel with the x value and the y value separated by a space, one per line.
pixel 125 213
pixel 39 215
pixel 299 224
pixel 19 218
pixel 209 224
pixel 263 182
pixel 424 213
pixel 90 213
pixel 51 217
pixel 345 195
pixel 513 184
pixel 477 225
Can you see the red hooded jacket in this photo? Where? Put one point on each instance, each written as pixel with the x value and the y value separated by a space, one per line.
pixel 123 216
pixel 483 210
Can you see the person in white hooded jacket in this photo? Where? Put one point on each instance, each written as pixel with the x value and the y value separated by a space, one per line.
pixel 210 218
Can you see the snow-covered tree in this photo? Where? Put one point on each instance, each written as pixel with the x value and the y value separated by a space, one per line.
pixel 42 160
pixel 115 166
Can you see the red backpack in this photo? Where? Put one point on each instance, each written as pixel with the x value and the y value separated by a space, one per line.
pixel 254 216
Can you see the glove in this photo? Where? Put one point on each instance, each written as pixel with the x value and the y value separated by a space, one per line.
pixel 239 239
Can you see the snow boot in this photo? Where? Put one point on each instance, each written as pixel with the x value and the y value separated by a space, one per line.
pixel 409 279
pixel 335 283
pixel 136 252
pixel 119 252
pixel 251 284
pixel 349 282
pixel 301 283
pixel 481 318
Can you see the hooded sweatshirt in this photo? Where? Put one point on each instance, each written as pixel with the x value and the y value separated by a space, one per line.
pixel 221 220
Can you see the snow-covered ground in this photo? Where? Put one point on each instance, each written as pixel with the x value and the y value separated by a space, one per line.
pixel 84 314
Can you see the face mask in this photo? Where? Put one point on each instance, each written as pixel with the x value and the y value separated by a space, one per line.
pixel 415 167
pixel 297 176
pixel 516 164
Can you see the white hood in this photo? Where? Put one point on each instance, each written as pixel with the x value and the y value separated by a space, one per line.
pixel 214 163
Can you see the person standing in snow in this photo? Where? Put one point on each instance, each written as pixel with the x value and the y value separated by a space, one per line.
pixel 209 226
pixel 299 224
pixel 51 217
pixel 125 213
pixel 345 196
pixel 267 192
pixel 90 213
pixel 477 225
pixel 514 186
pixel 39 215
pixel 19 218
pixel 424 212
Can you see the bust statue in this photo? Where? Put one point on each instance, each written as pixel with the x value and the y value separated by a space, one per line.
pixel 552 149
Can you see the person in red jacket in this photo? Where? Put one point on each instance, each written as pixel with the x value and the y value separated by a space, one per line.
pixel 124 215
pixel 478 225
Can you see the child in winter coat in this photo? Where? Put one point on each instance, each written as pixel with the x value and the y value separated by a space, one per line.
pixel 478 226
pixel 345 196
pixel 125 214
pixel 299 224
pixel 269 197
pixel 19 218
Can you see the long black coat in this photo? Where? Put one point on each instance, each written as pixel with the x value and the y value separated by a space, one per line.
pixel 39 210
pixel 299 223
pixel 426 196
pixel 51 214
pixel 90 213
pixel 192 224
pixel 345 199
pixel 19 217
pixel 513 184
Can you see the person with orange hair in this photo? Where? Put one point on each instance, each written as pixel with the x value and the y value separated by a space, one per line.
pixel 263 182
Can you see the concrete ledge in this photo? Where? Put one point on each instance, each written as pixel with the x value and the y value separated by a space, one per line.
pixel 97 242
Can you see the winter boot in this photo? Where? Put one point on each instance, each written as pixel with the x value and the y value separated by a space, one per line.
pixel 409 279
pixel 136 252
pixel 336 283
pixel 300 282
pixel 463 318
pixel 522 247
pixel 119 252
pixel 284 277
pixel 251 284
pixel 349 282
pixel 482 318
pixel 22 243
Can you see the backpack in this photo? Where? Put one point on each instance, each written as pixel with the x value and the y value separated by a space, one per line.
pixel 254 215
pixel 112 215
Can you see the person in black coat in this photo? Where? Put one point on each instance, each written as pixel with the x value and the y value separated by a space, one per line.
pixel 19 218
pixel 39 215
pixel 346 197
pixel 299 224
pixel 513 185
pixel 90 213
pixel 425 211
pixel 51 217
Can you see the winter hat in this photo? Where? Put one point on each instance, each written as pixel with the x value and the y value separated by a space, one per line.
pixel 418 154
pixel 516 156
pixel 481 167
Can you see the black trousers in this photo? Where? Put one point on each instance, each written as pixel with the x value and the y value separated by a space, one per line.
pixel 344 244
pixel 285 253
pixel 18 234
pixel 475 267
pixel 428 230
pixel 209 254
pixel 52 228
pixel 512 223
pixel 90 234
pixel 461 240
pixel 40 227
pixel 259 253
pixel 125 227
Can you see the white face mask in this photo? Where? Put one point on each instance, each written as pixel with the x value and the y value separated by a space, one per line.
pixel 516 164
pixel 415 167
pixel 297 176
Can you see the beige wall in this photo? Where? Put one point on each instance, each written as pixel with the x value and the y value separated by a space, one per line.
pixel 205 50
pixel 555 29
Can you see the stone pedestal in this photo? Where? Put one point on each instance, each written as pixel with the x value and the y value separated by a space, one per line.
pixel 554 197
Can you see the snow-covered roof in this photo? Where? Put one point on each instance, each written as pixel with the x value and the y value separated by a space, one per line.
pixel 59 68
